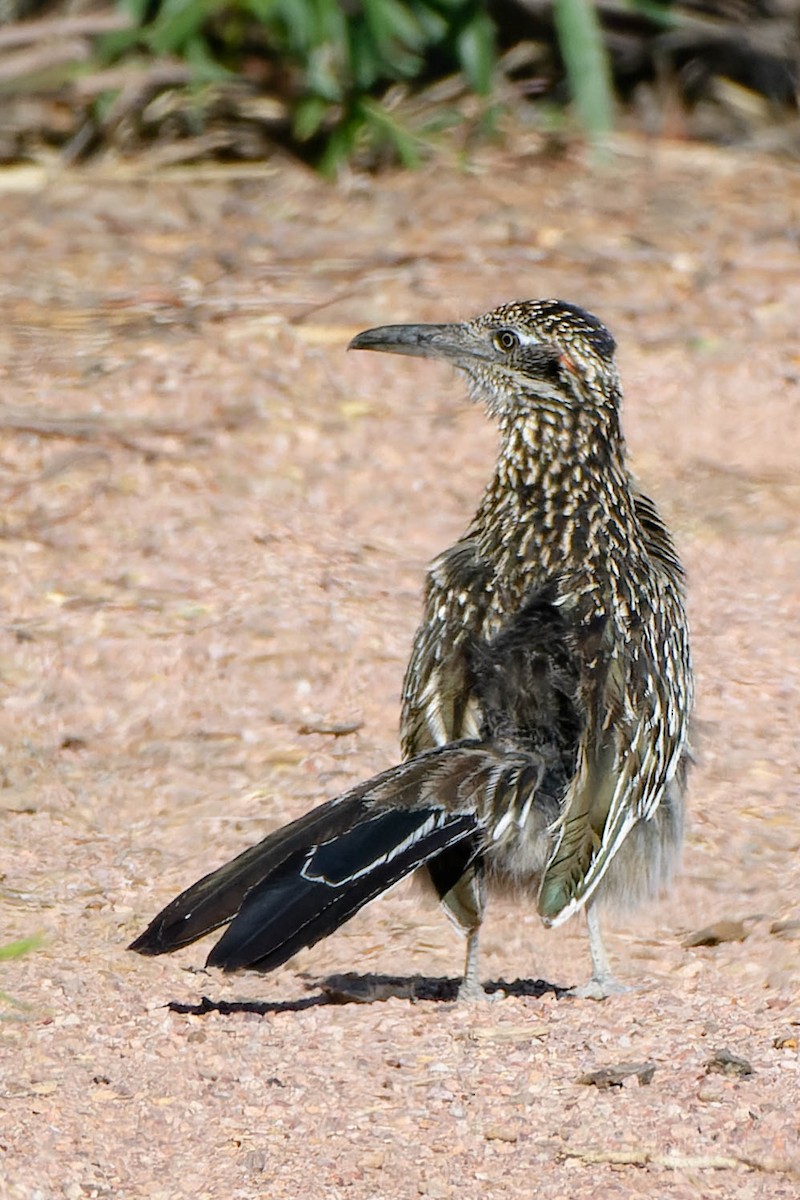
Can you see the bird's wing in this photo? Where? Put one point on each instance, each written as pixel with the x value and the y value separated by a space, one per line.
pixel 657 538
pixel 439 702
pixel 632 746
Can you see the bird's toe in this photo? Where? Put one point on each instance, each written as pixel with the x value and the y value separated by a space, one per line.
pixel 599 988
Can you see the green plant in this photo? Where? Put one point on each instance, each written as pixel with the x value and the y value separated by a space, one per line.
pixel 14 950
pixel 331 62
pixel 583 50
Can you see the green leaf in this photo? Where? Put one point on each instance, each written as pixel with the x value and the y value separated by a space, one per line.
pixel 177 23
pixel 263 10
pixel 205 68
pixel 433 24
pixel 392 39
pixel 301 24
pixel 659 14
pixel 324 74
pixel 112 46
pixel 339 147
pixel 136 9
pixel 308 117
pixel 475 46
pixel 388 129
pixel 580 39
pixel 390 21
pixel 365 63
pixel 17 949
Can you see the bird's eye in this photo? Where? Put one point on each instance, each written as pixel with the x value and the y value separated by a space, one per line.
pixel 506 340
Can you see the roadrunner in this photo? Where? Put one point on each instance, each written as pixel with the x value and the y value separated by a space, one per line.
pixel 547 699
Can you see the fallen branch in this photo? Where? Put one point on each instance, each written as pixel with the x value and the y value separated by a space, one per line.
pixel 635 1156
pixel 133 77
pixel 37 61
pixel 25 33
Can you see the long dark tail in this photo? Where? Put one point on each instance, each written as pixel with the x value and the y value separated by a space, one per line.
pixel 305 880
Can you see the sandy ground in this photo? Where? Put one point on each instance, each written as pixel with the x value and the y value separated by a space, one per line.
pixel 216 526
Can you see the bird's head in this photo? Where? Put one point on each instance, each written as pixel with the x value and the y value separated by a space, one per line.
pixel 521 356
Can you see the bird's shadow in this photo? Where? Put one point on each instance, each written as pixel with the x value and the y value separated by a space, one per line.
pixel 353 988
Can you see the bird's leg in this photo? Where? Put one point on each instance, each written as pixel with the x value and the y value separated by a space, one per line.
pixel 471 987
pixel 465 903
pixel 602 983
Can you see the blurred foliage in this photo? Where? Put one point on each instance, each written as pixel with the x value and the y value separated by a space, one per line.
pixel 580 39
pixel 368 82
pixel 331 62
pixel 13 950
pixel 20 948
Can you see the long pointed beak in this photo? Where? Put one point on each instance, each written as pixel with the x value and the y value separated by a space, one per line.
pixel 456 344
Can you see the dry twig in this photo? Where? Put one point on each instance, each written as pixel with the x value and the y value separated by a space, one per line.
pixel 25 33
pixel 641 1156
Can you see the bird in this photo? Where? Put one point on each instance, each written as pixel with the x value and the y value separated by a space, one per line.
pixel 546 706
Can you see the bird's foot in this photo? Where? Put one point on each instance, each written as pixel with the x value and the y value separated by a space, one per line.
pixel 599 987
pixel 472 991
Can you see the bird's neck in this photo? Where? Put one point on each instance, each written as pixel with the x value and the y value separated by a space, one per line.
pixel 560 498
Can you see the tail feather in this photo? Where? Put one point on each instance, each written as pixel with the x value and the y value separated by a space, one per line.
pixel 308 898
pixel 217 897
pixel 306 879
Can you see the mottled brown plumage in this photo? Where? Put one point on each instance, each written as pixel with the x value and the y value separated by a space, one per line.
pixel 546 702
pixel 571 567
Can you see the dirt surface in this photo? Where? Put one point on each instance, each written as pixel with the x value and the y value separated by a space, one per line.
pixel 216 526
